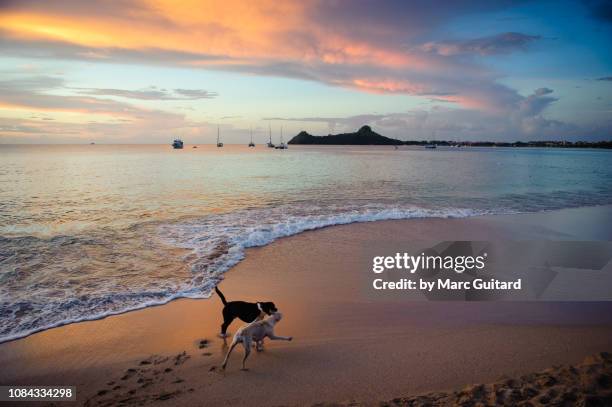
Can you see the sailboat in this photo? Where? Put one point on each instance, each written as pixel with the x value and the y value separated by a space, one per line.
pixel 270 145
pixel 282 145
pixel 432 142
pixel 177 144
pixel 219 143
pixel 251 144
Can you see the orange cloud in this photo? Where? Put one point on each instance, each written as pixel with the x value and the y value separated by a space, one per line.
pixel 341 44
pixel 243 31
pixel 231 28
pixel 390 86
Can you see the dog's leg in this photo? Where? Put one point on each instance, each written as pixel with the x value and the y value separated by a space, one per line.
pixel 247 350
pixel 234 343
pixel 280 338
pixel 227 320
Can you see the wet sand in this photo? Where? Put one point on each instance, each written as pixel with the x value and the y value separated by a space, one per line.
pixel 347 345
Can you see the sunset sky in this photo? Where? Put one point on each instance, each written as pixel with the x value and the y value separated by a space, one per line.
pixel 147 71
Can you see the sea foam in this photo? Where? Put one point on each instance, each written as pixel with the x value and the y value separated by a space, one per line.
pixel 215 243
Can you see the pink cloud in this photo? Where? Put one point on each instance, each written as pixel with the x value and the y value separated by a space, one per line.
pixel 358 44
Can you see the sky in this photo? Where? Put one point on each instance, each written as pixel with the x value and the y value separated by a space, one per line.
pixel 149 71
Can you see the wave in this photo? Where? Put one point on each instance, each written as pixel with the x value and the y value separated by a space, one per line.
pixel 214 243
pixel 218 242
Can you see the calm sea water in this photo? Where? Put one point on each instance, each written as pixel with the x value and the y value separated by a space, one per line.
pixel 92 230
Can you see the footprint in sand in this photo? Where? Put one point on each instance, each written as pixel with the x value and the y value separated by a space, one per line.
pixel 181 358
pixel 147 378
pixel 128 374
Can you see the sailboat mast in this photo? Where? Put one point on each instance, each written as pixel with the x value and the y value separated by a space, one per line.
pixel 217 134
pixel 270 132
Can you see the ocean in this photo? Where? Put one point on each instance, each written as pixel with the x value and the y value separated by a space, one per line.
pixel 88 231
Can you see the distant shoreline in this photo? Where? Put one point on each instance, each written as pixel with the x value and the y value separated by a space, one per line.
pixel 606 145
pixel 419 143
pixel 366 136
pixel 519 144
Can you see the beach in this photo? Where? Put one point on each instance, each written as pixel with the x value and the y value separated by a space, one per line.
pixel 305 203
pixel 347 345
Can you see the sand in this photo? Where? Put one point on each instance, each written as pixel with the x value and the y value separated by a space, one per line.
pixel 347 345
pixel 588 383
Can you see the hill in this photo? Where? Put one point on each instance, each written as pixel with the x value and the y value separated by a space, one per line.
pixel 364 136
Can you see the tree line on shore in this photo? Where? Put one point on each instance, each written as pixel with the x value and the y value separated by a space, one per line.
pixel 366 136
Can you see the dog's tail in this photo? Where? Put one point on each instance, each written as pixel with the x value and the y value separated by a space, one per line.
pixel 220 294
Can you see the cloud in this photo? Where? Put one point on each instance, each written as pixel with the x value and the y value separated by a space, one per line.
pixel 14 130
pixel 156 129
pixel 496 44
pixel 151 93
pixel 192 94
pixel 524 120
pixel 542 91
pixel 444 123
pixel 32 93
pixel 350 122
pixel 395 48
pixel 33 83
pixel 535 103
pixel 92 117
pixel 371 48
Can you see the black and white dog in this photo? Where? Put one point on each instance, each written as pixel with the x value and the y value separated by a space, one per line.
pixel 246 311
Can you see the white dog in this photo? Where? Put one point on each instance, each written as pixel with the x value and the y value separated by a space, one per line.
pixel 255 332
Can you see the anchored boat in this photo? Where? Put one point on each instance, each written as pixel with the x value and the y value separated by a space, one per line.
pixel 282 145
pixel 251 144
pixel 219 143
pixel 270 145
